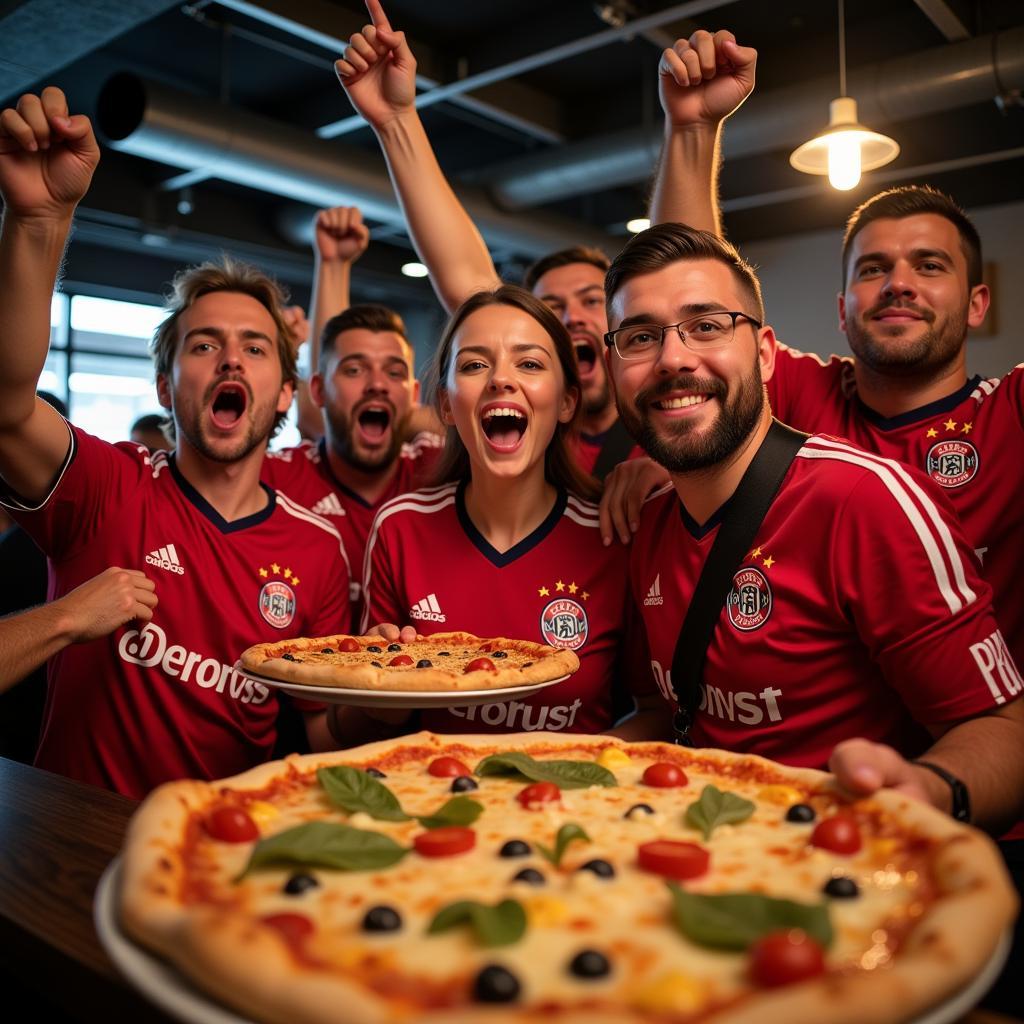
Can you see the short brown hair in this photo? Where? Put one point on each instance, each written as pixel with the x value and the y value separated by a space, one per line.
pixel 560 467
pixel 908 201
pixel 562 258
pixel 368 316
pixel 663 244
pixel 227 275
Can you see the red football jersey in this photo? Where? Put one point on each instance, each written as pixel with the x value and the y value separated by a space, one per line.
pixel 304 474
pixel 970 443
pixel 858 612
pixel 427 565
pixel 143 706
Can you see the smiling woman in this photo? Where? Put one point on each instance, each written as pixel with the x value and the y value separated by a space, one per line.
pixel 508 544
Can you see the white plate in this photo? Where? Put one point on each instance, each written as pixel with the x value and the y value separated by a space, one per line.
pixel 163 985
pixel 397 698
pixel 153 977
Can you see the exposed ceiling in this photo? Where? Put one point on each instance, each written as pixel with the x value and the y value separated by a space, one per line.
pixel 231 127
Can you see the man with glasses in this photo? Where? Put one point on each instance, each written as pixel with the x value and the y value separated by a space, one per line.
pixel 857 632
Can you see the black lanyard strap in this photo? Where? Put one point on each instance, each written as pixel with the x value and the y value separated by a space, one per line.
pixel 742 519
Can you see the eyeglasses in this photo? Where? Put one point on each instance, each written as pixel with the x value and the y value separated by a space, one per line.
pixel 699 334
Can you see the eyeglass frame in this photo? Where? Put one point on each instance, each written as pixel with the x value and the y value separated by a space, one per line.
pixel 609 338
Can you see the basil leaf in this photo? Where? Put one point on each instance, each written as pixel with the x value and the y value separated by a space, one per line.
pixel 500 925
pixel 736 920
pixel 715 808
pixel 326 844
pixel 460 810
pixel 565 774
pixel 566 834
pixel 353 790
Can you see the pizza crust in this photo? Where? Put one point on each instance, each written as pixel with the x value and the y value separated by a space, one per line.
pixel 546 665
pixel 245 967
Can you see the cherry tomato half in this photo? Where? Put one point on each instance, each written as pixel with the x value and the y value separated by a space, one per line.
pixel 293 927
pixel 400 659
pixel 840 833
pixel 671 858
pixel 664 774
pixel 349 646
pixel 444 842
pixel 480 665
pixel 231 825
pixel 539 793
pixel 447 768
pixel 780 958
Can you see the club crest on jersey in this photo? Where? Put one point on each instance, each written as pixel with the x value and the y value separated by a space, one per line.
pixel 750 600
pixel 277 603
pixel 563 623
pixel 952 463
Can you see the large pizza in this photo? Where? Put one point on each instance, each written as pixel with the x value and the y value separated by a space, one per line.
pixel 439 662
pixel 531 878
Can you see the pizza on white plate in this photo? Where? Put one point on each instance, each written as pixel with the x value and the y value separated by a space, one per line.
pixel 534 877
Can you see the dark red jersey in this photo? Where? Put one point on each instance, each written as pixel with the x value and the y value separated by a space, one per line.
pixel 969 443
pixel 427 565
pixel 304 474
pixel 163 701
pixel 859 611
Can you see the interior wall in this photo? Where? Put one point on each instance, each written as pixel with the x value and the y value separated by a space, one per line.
pixel 800 276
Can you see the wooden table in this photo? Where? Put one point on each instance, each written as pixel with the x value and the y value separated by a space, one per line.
pixel 57 837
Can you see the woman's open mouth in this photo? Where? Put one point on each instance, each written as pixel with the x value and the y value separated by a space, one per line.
pixel 504 427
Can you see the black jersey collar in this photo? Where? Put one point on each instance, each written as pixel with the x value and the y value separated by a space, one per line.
pixel 528 543
pixel 203 506
pixel 697 530
pixel 923 412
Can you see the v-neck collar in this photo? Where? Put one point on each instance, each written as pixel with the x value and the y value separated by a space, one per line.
pixel 206 509
pixel 527 544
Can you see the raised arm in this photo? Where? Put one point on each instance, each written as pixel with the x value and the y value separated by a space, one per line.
pixel 339 238
pixel 701 81
pixel 378 71
pixel 47 160
pixel 93 609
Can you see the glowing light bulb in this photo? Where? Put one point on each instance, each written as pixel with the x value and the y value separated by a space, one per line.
pixel 844 160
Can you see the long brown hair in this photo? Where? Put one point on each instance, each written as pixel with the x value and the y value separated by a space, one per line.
pixel 560 467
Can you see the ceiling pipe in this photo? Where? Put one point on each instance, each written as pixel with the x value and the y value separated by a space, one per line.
pixel 943 78
pixel 152 121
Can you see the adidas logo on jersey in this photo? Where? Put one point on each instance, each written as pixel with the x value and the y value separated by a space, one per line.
pixel 166 558
pixel 427 610
pixel 654 594
pixel 328 505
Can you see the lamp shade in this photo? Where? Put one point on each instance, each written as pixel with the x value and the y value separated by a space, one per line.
pixel 876 149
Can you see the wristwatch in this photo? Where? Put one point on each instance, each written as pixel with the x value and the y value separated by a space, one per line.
pixel 961 809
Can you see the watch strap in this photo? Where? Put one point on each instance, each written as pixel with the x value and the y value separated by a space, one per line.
pixel 961 809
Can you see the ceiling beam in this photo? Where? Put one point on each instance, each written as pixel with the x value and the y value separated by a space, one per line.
pixel 543 58
pixel 950 17
pixel 43 36
pixel 326 25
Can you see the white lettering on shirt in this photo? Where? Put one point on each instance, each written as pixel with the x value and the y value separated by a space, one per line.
pixel 148 648
pixel 553 718
pixel 996 665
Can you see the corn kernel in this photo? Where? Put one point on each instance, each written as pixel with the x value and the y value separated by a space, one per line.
pixel 545 911
pixel 778 794
pixel 262 812
pixel 612 757
pixel 673 992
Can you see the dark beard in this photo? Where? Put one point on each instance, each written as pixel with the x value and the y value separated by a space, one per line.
pixel 343 445
pixel 682 453
pixel 598 402
pixel 935 349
